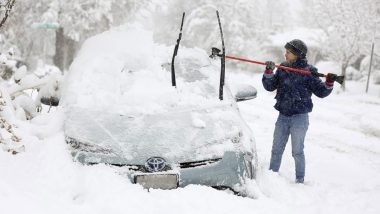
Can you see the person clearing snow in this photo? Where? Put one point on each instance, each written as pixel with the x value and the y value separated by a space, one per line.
pixel 294 102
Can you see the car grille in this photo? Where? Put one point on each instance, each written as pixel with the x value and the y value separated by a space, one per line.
pixel 193 164
pixel 183 165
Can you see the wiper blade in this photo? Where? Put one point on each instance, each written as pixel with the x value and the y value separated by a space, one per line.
pixel 222 60
pixel 176 51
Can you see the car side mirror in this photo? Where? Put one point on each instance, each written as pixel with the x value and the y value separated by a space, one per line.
pixel 50 101
pixel 245 92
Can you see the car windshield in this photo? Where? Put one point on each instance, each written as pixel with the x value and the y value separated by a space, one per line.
pixel 127 76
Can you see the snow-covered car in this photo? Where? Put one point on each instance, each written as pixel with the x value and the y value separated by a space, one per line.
pixel 122 110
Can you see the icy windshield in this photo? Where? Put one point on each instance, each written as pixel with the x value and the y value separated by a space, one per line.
pixel 116 72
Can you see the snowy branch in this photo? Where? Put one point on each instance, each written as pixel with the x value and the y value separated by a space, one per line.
pixel 12 143
pixel 7 7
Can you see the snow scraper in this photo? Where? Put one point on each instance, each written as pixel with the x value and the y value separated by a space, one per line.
pixel 215 52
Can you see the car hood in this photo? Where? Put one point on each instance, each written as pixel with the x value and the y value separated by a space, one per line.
pixel 177 136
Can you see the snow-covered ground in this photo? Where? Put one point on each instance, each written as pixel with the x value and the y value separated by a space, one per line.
pixel 342 152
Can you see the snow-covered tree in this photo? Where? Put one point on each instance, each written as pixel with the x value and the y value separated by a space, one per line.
pixel 349 26
pixel 16 103
pixel 52 30
pixel 5 9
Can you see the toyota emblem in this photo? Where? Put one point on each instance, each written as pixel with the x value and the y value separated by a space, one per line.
pixel 155 164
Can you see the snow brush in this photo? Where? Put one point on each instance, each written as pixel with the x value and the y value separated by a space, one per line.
pixel 215 52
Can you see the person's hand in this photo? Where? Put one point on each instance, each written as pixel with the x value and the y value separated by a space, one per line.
pixel 270 66
pixel 314 71
pixel 330 79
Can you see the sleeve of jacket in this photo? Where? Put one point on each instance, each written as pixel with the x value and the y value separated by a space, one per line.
pixel 319 88
pixel 270 81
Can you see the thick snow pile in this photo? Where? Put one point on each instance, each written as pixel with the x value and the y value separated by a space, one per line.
pixel 114 70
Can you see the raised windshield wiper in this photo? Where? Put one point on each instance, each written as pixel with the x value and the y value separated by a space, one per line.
pixel 222 60
pixel 176 51
pixel 215 52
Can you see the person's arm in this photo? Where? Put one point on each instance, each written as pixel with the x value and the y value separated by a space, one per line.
pixel 270 80
pixel 319 88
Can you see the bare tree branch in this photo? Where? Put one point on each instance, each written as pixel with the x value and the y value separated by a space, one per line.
pixel 7 7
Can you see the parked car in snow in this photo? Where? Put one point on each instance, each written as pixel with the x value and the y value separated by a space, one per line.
pixel 121 110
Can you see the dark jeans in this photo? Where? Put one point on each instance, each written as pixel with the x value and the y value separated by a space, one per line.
pixel 295 126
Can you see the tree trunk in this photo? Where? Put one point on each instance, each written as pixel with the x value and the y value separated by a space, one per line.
pixel 65 49
pixel 344 69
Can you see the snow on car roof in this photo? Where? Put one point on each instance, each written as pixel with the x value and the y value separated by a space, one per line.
pixel 114 71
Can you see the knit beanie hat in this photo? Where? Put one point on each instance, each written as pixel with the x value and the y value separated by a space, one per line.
pixel 297 47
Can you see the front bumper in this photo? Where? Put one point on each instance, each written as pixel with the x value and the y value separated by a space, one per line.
pixel 230 171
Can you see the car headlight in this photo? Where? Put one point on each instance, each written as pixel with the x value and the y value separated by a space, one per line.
pixel 87 147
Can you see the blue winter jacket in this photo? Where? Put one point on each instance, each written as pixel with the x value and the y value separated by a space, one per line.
pixel 294 89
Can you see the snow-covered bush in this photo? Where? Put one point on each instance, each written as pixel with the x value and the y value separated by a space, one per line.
pixel 376 76
pixel 7 65
pixel 375 68
pixel 353 74
pixel 17 101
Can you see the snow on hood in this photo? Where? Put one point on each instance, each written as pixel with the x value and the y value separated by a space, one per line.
pixel 116 72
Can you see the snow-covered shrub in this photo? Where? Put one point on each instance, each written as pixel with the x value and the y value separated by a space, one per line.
pixel 375 69
pixel 7 65
pixel 51 91
pixel 376 76
pixel 25 107
pixel 353 74
pixel 17 100
pixel 8 139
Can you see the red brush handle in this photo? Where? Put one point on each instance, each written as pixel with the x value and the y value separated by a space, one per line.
pixel 278 66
